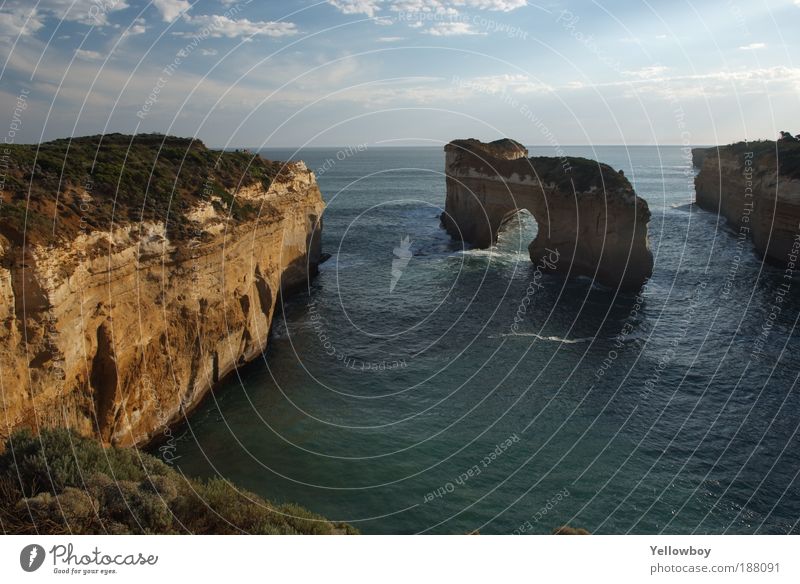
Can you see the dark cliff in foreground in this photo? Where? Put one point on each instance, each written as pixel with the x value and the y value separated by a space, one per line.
pixel 588 214
pixel 137 272
pixel 57 483
pixel 756 187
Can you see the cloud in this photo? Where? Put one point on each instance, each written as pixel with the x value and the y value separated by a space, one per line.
pixel 447 29
pixel 17 23
pixel 646 72
pixel 390 39
pixel 368 7
pixel 765 80
pixel 440 7
pixel 87 55
pixel 752 47
pixel 171 9
pixel 496 5
pixel 208 52
pixel 503 83
pixel 452 6
pixel 138 27
pixel 372 7
pixel 23 17
pixel 218 26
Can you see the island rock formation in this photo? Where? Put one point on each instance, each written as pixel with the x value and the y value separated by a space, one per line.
pixel 756 187
pixel 130 290
pixel 586 211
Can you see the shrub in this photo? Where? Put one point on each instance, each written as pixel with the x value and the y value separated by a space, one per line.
pixel 57 482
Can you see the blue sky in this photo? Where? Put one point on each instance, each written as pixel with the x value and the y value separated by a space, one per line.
pixel 339 72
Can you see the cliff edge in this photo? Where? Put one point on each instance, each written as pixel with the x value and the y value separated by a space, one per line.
pixel 585 210
pixel 756 187
pixel 135 272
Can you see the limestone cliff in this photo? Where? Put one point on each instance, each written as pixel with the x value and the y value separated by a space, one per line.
pixel 756 187
pixel 129 289
pixel 585 210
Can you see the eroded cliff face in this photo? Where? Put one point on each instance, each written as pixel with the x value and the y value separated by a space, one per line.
pixel 117 333
pixel 756 187
pixel 585 211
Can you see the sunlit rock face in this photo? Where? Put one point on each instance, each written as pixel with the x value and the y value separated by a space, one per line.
pixel 118 332
pixel 587 212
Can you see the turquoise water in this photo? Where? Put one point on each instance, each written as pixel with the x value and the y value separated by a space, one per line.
pixel 403 405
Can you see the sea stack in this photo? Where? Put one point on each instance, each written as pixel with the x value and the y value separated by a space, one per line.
pixel 585 210
pixel 756 187
pixel 128 290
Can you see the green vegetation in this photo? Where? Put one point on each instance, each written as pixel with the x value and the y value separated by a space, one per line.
pixel 764 151
pixel 129 178
pixel 59 483
pixel 579 173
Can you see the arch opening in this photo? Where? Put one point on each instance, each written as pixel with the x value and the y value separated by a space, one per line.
pixel 517 231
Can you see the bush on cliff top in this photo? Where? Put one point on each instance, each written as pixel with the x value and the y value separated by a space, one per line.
pixel 129 178
pixel 59 483
pixel 764 152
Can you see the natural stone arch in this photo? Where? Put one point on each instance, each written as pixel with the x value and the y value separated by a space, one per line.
pixel 585 210
pixel 516 224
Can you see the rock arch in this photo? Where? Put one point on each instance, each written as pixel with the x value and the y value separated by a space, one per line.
pixel 585 210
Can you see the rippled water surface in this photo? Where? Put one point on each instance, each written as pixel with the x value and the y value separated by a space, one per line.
pixel 395 397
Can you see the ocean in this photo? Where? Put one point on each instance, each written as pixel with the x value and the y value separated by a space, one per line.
pixel 394 394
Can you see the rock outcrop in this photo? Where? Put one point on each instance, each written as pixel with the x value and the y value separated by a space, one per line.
pixel 756 187
pixel 116 329
pixel 699 155
pixel 586 211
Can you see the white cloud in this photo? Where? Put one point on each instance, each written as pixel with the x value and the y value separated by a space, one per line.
pixel 208 52
pixel 503 83
pixel 17 23
pixel 138 27
pixel 496 5
pixel 646 72
pixel 442 7
pixel 752 47
pixel 390 39
pixel 217 26
pixel 171 9
pixel 368 7
pixel 87 55
pixel 23 17
pixel 447 29
pixel 766 80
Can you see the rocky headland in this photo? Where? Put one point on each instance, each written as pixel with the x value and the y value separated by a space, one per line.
pixel 135 273
pixel 586 211
pixel 756 187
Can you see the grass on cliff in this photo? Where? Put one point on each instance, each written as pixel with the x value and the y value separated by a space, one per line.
pixel 764 152
pixel 129 178
pixel 58 483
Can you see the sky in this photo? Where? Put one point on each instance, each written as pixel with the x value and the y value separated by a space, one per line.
pixel 401 72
